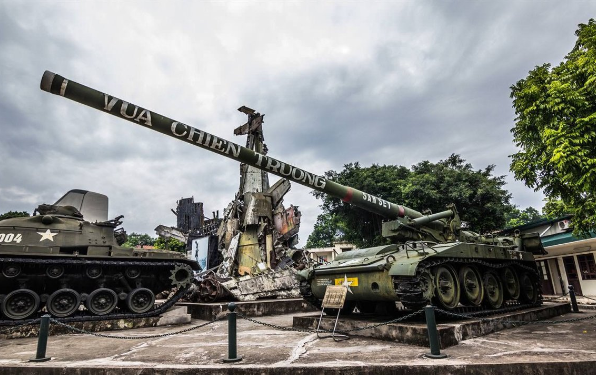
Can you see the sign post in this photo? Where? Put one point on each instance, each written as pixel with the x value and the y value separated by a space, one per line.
pixel 335 297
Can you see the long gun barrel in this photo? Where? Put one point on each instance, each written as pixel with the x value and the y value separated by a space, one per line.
pixel 56 84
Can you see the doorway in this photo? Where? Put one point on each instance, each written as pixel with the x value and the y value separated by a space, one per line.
pixel 545 278
pixel 572 274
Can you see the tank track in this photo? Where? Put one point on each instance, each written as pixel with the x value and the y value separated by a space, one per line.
pixel 84 315
pixel 306 292
pixel 410 293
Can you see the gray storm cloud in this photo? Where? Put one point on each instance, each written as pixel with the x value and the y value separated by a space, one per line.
pixel 375 82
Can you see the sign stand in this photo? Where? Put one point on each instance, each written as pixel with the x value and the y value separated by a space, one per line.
pixel 335 297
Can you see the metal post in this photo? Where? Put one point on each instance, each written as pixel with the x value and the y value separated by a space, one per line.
pixel 232 354
pixel 42 340
pixel 433 335
pixel 572 298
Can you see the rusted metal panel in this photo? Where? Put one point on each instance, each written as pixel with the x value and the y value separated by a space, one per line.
pixel 286 220
pixel 278 190
pixel 257 206
pixel 249 252
pixel 189 215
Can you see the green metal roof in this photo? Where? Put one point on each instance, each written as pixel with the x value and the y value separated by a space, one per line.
pixel 561 238
pixel 534 224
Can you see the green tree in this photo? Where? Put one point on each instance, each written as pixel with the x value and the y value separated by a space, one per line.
pixel 555 128
pixel 518 217
pixel 137 239
pixel 351 223
pixel 171 244
pixel 325 231
pixel 478 195
pixel 11 214
pixel 555 208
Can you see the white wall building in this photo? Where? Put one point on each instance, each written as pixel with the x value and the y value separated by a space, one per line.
pixel 327 254
pixel 569 260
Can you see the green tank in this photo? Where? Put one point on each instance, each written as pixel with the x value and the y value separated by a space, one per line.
pixel 67 260
pixel 432 259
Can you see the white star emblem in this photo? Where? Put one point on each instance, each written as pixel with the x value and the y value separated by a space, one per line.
pixel 47 235
pixel 347 283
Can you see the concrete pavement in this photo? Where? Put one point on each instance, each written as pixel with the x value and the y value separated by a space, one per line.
pixel 566 348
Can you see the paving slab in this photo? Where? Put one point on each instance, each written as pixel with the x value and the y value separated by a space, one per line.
pixel 565 348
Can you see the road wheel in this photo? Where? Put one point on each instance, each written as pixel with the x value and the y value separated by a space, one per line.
pixel 447 291
pixel 140 300
pixel 101 301
pixel 20 304
pixel 472 289
pixel 63 303
pixel 493 290
pixel 510 283
pixel 529 291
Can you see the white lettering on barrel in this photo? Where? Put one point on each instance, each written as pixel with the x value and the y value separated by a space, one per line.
pixel 216 144
pixel 283 167
pixel 109 103
pixel 234 149
pixel 320 182
pixel 192 132
pixel 124 108
pixel 273 165
pixel 310 178
pixel 144 116
pixel 259 160
pixel 299 177
pixel 207 139
pixel 174 125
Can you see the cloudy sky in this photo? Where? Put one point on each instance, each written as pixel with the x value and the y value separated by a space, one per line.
pixel 386 82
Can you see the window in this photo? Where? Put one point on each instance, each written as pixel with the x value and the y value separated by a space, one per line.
pixel 587 267
pixel 322 259
pixel 570 269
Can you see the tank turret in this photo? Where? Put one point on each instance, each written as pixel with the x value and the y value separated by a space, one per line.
pixel 432 258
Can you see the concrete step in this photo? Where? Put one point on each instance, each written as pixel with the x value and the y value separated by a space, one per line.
pixel 176 315
pixel 215 310
pixel 415 333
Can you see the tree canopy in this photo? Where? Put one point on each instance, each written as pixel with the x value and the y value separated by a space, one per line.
pixel 517 217
pixel 555 129
pixel 11 214
pixel 479 197
pixel 171 244
pixel 137 239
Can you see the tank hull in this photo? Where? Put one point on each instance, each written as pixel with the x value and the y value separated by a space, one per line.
pixel 73 269
pixel 415 274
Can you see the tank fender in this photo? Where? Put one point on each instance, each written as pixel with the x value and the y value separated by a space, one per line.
pixel 404 267
pixel 305 274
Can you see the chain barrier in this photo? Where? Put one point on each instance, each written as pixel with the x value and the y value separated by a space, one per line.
pixel 8 330
pixel 78 330
pixel 308 330
pixel 499 311
pixel 281 328
pixel 515 322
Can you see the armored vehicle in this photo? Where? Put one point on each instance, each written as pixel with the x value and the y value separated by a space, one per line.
pixel 432 259
pixel 69 255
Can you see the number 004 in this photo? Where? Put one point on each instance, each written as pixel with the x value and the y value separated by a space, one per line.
pixel 10 237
